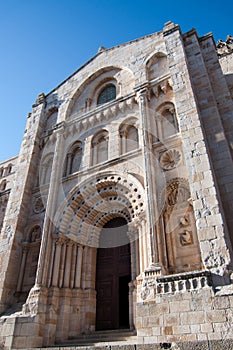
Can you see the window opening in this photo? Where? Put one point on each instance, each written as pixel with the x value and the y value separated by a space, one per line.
pixel 107 94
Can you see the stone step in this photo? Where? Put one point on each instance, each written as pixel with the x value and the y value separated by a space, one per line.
pixel 103 338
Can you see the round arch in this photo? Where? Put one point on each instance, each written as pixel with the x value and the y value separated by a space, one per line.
pixel 96 81
pixel 91 204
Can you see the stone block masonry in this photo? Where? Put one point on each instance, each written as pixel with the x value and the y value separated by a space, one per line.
pixel 117 212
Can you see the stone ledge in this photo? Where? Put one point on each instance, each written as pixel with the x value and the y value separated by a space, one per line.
pixel 198 345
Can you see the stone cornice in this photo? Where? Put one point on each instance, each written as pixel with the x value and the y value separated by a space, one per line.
pixel 92 169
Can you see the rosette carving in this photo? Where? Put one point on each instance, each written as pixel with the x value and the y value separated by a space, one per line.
pixel 170 159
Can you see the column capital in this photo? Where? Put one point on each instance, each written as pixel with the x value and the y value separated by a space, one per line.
pixel 143 93
pixel 25 246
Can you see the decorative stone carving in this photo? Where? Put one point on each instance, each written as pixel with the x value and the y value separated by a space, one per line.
pixel 170 159
pixel 179 227
pixel 145 293
pixel 162 88
pixel 35 234
pixel 38 206
pixel 225 47
pixel 186 238
pixel 184 221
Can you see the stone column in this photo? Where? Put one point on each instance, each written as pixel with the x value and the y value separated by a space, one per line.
pixel 84 268
pixel 51 262
pixel 69 248
pixel 73 265
pixel 78 273
pixel 68 165
pixel 94 153
pixel 141 249
pixel 137 257
pixel 62 264
pixel 131 305
pixel 22 267
pixel 56 175
pixel 132 239
pixel 151 216
pixel 145 245
pixel 56 264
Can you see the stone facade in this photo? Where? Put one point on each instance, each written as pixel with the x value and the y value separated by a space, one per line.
pixel 121 198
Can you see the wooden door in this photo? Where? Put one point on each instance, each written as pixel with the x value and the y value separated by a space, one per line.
pixel 112 277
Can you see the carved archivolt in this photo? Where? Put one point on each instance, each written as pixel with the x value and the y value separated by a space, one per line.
pixel 95 202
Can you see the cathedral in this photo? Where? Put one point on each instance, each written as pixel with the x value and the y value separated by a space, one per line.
pixel 117 213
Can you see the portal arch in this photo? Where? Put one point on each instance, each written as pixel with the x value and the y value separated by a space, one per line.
pixel 97 200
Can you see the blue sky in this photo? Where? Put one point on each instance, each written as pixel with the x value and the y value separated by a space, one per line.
pixel 43 42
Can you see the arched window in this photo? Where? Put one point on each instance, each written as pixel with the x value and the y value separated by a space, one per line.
pixel 45 170
pixel 3 185
pixel 166 121
pixel 73 159
pixel 107 94
pixel 8 169
pixel 129 138
pixel 1 171
pixel 51 119
pixel 169 126
pixel 100 147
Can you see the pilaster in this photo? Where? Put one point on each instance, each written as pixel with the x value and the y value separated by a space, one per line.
pixel 46 243
pixel 18 206
pixel 209 216
pixel 142 94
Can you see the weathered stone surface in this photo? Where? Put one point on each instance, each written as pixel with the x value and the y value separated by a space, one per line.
pixel 132 152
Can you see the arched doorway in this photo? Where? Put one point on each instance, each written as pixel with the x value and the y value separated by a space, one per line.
pixel 113 274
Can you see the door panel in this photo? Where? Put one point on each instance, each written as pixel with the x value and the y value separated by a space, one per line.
pixel 113 274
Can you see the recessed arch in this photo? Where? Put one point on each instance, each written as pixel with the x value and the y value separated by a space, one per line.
pixel 99 147
pixel 45 169
pixel 107 94
pixel 3 185
pixel 166 120
pixel 179 227
pixel 156 65
pixel 93 203
pixel 85 96
pixel 73 159
pixel 51 118
pixel 129 138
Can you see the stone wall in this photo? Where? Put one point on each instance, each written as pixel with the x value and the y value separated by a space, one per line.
pixel 190 316
pixel 173 188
